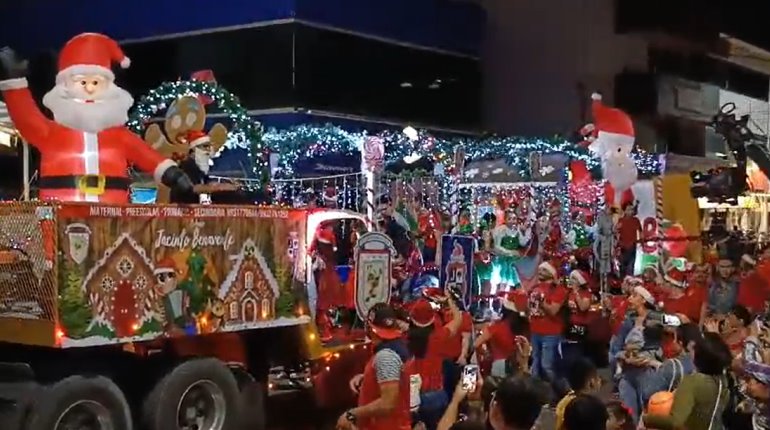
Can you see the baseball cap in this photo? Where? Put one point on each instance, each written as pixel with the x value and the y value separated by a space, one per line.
pixel 383 320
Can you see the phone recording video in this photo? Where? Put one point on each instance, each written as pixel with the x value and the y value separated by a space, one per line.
pixel 671 320
pixel 470 378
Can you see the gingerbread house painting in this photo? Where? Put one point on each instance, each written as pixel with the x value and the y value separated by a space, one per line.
pixel 250 289
pixel 119 286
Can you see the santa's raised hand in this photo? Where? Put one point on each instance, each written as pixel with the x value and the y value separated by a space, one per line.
pixel 86 149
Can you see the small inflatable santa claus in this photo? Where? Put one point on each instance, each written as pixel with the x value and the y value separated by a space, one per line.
pixel 86 149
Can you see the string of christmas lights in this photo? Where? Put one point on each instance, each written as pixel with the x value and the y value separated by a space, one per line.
pixel 245 132
pixel 310 140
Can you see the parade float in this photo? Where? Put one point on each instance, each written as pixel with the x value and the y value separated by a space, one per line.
pixel 93 285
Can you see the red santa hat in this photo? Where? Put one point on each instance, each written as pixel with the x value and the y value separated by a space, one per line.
pixel 549 267
pixel 579 276
pixel 675 277
pixel 422 314
pixel 509 301
pixel 612 124
pixel 90 53
pixel 196 138
pixel 165 265
pixel 326 235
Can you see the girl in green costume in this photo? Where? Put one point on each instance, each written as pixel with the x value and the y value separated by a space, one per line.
pixel 508 241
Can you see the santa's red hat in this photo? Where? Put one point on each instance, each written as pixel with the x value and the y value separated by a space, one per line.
pixel 676 277
pixel 195 138
pixel 422 314
pixel 549 267
pixel 509 302
pixel 326 235
pixel 580 277
pixel 612 124
pixel 165 265
pixel 88 54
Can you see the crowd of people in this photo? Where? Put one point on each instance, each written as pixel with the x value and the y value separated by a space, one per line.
pixel 689 349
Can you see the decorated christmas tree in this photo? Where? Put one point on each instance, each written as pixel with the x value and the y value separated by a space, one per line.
pixel 198 286
pixel 75 312
pixel 284 306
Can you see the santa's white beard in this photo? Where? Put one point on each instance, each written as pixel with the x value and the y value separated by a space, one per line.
pixel 109 109
pixel 202 159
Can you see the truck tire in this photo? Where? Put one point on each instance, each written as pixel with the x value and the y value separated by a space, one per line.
pixel 79 402
pixel 252 396
pixel 200 394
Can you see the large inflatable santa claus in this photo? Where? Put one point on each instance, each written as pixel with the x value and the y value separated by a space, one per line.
pixel 85 150
pixel 613 143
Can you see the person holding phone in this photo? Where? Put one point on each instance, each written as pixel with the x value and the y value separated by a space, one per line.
pixel 427 343
pixel 500 337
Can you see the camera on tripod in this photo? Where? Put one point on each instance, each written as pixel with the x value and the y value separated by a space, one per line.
pixel 725 185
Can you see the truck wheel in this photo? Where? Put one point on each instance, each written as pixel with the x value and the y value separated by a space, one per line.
pixel 252 395
pixel 79 402
pixel 199 394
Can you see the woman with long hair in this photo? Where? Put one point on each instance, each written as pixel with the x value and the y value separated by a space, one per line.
pixel 426 341
pixel 702 397
pixel 500 336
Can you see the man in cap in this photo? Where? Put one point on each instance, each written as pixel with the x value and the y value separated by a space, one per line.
pixel 384 387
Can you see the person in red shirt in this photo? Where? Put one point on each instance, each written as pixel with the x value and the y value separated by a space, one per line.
pixel 754 290
pixel 500 337
pixel 682 300
pixel 579 300
pixel 457 348
pixel 427 342
pixel 547 321
pixel 653 282
pixel 629 232
pixel 383 388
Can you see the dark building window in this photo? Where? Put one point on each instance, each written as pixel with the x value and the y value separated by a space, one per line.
pixel 694 20
pixel 701 68
pixel 346 73
pixel 296 65
pixel 253 63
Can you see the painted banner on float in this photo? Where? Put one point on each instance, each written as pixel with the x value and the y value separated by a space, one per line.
pixel 131 273
pixel 457 264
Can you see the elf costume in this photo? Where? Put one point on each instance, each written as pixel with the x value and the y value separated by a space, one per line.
pixel 509 239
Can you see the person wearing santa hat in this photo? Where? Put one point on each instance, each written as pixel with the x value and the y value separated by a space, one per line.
pixel 86 149
pixel 196 167
pixel 174 301
pixel 579 300
pixel 426 340
pixel 679 298
pixel 754 287
pixel 323 249
pixel 547 323
pixel 502 336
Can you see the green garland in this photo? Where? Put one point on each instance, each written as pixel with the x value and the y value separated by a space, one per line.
pixel 243 127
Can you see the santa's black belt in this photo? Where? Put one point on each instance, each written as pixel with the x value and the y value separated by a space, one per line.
pixel 85 182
